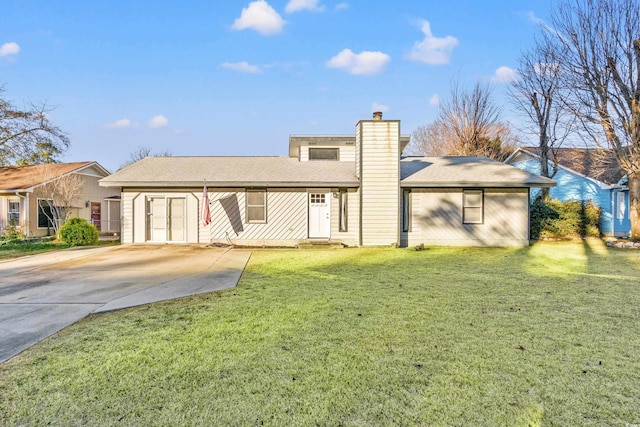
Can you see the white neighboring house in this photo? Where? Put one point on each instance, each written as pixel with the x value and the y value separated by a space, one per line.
pixel 21 193
pixel 351 189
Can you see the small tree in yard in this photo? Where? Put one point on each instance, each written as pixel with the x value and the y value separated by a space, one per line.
pixel 58 197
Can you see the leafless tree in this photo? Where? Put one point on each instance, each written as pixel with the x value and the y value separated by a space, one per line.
pixel 468 124
pixel 58 197
pixel 27 136
pixel 599 41
pixel 141 153
pixel 537 94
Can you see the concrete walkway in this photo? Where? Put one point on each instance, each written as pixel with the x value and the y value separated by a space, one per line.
pixel 42 294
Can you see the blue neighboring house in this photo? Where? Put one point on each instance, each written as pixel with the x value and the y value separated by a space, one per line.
pixel 582 175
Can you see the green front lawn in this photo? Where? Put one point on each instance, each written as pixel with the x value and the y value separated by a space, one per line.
pixel 18 249
pixel 546 335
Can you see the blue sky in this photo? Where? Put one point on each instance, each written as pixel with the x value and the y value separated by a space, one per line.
pixel 238 77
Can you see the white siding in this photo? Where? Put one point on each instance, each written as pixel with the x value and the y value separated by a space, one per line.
pixel 437 218
pixel 380 181
pixel 286 219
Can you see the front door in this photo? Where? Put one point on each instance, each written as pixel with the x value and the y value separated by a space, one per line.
pixel 166 219
pixel 319 215
pixel 95 214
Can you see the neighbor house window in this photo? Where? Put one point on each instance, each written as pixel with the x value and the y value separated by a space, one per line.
pixel 324 153
pixel 621 205
pixel 13 213
pixel 256 206
pixel 472 206
pixel 343 210
pixel 45 214
pixel 406 210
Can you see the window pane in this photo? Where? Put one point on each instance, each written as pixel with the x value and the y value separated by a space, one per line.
pixel 44 215
pixel 255 213
pixel 473 199
pixel 473 215
pixel 255 198
pixel 343 210
pixel 323 153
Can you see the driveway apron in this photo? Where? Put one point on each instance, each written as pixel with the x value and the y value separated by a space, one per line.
pixel 42 294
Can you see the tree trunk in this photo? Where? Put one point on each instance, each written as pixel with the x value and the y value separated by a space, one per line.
pixel 634 206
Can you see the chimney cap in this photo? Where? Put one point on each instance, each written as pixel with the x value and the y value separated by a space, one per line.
pixel 377 115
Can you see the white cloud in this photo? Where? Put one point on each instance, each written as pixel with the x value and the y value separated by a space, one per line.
pixel 362 63
pixel 341 6
pixel 434 100
pixel 119 124
pixel 432 50
pixel 379 107
pixel 504 74
pixel 261 17
pixel 158 121
pixel 10 48
pixel 243 67
pixel 299 5
pixel 533 18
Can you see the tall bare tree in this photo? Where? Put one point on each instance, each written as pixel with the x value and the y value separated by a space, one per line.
pixel 27 135
pixel 469 124
pixel 538 95
pixel 59 197
pixel 141 153
pixel 599 41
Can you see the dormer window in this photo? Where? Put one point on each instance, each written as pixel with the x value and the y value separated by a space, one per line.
pixel 324 153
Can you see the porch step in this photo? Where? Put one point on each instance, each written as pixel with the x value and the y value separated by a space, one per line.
pixel 320 244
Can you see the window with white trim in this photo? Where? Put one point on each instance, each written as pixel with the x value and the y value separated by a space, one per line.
pixel 343 210
pixel 621 205
pixel 256 206
pixel 406 210
pixel 472 206
pixel 324 154
pixel 13 213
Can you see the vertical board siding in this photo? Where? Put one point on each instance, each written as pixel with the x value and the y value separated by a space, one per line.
pixel 286 218
pixel 380 181
pixel 437 218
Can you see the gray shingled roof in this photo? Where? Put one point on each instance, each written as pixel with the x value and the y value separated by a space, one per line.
pixel 233 172
pixel 465 172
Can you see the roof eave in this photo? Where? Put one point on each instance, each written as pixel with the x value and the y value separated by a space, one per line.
pixel 228 184
pixel 449 184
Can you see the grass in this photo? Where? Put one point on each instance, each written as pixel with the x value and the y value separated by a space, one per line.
pixel 546 335
pixel 15 250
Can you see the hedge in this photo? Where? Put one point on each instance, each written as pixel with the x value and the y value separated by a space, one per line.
pixel 564 220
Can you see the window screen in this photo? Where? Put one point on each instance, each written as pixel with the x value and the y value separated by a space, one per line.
pixel 256 206
pixel 472 206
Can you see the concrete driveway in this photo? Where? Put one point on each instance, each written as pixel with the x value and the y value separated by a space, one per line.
pixel 42 294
